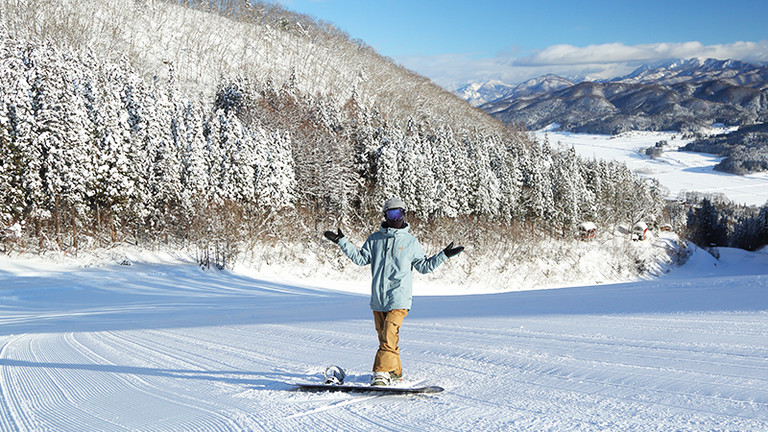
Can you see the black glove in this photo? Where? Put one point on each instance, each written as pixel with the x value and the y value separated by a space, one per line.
pixel 451 251
pixel 334 237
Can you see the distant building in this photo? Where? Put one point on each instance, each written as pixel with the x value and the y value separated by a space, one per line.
pixel 587 231
pixel 640 231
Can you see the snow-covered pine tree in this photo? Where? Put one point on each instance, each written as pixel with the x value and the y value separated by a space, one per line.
pixel 486 185
pixel 415 176
pixel 58 137
pixel 30 152
pixel 113 195
pixel 161 145
pixel 194 173
pixel 746 232
pixel 275 180
pixel 364 132
pixel 505 164
pixel 426 187
pixel 440 171
pixel 595 183
pixel 461 181
pixel 618 193
pixel 537 195
pixel 762 223
pixel 237 182
pixel 707 227
pixel 453 174
pixel 387 169
pixel 79 146
pixel 569 188
pixel 16 124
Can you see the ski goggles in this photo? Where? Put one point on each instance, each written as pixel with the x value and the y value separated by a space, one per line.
pixel 395 214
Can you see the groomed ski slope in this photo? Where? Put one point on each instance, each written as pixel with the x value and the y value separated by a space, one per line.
pixel 161 346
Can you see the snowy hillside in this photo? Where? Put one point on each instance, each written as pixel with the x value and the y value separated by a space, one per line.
pixel 161 345
pixel 92 155
pixel 207 42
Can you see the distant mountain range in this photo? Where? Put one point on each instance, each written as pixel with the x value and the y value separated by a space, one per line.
pixel 697 71
pixel 481 93
pixel 490 91
pixel 683 95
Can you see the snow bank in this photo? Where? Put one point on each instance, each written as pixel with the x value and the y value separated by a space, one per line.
pixel 552 263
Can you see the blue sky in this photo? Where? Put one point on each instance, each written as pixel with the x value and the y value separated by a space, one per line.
pixel 453 41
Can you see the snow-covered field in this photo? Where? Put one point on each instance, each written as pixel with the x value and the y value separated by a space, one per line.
pixel 163 345
pixel 677 171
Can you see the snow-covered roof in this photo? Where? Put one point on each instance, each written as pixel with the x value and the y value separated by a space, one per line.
pixel 588 226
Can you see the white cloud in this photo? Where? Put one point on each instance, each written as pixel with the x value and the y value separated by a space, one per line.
pixel 592 61
pixel 618 52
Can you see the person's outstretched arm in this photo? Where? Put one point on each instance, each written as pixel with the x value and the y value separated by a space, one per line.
pixel 360 257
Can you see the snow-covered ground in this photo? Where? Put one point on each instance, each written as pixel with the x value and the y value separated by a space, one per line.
pixel 676 170
pixel 163 345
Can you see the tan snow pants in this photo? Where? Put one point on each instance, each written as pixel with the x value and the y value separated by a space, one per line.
pixel 388 327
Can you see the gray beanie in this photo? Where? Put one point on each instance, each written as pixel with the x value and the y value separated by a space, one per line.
pixel 393 203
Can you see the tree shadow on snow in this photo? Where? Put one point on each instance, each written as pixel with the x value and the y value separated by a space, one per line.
pixel 148 296
pixel 735 294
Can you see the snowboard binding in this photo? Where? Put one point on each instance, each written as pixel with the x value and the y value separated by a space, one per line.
pixel 334 375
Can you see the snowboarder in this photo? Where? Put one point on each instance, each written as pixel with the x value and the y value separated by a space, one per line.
pixel 392 253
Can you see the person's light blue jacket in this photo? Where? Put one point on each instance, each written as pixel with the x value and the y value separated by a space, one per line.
pixel 393 254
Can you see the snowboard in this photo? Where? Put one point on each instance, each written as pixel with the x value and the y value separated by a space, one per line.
pixel 334 382
pixel 368 388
